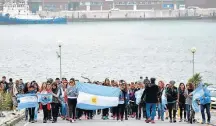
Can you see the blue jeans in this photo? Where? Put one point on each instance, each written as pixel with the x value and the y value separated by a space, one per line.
pixel 64 109
pixel 151 110
pixel 207 107
pixel 26 114
pixel 161 111
pixel 188 108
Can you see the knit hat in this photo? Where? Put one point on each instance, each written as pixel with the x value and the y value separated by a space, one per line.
pixel 172 82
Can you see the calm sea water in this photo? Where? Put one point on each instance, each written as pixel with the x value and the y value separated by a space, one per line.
pixel 118 50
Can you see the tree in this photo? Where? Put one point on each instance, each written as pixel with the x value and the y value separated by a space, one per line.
pixel 195 79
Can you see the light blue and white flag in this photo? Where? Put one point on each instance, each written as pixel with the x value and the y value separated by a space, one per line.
pixel 138 95
pixel 93 97
pixel 45 98
pixel 27 101
pixel 163 98
pixel 197 93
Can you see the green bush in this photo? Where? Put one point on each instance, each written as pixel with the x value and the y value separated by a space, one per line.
pixel 6 103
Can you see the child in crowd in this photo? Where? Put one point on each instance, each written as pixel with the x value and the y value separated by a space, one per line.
pixel 31 90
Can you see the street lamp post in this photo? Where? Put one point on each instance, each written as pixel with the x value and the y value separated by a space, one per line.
pixel 60 57
pixel 193 50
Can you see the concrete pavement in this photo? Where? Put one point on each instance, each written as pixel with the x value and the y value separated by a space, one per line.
pixel 97 121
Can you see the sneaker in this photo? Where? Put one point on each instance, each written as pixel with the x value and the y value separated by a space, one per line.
pixel 180 120
pixel 73 121
pixel 170 121
pixel 174 120
pixel 126 118
pixel 121 119
pixel 148 120
pixel 70 120
pixel 203 122
pixel 185 120
pixel 208 122
pixel 44 121
pixel 162 119
pixel 153 122
pixel 32 121
pixel 166 118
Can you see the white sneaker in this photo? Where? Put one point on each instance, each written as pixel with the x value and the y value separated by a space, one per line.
pixel 73 121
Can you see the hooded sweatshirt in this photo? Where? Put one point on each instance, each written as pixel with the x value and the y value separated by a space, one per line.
pixel 72 92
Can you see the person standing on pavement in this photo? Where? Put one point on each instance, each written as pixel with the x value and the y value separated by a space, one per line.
pixel 72 94
pixel 172 98
pixel 151 99
pixel 188 102
pixel 181 101
pixel 205 102
pixel 160 105
pixel 5 84
pixel 44 105
pixel 31 90
pixel 122 101
pixel 105 112
pixel 55 101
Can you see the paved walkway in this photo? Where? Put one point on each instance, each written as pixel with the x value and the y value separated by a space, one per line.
pixel 97 121
pixel 10 115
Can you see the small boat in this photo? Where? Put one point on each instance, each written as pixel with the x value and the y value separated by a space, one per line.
pixel 14 13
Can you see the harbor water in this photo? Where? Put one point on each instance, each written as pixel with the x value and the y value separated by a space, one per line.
pixel 118 50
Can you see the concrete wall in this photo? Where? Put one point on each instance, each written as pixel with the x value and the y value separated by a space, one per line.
pixel 131 14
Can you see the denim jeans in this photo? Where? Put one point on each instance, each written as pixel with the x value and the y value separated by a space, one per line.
pixel 188 108
pixel 26 114
pixel 151 107
pixel 207 107
pixel 64 109
pixel 161 111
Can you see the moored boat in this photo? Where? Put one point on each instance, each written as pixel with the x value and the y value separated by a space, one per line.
pixel 14 13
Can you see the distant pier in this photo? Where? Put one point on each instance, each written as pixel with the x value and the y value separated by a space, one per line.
pixel 131 15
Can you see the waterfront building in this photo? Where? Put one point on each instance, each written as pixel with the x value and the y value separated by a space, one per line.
pixel 54 5
pixel 57 5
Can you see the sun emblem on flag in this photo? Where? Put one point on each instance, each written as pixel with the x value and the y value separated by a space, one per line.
pixel 94 100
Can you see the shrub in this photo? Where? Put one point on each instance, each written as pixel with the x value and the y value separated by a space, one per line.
pixel 6 103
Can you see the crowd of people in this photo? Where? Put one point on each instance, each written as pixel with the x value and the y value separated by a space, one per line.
pixel 65 95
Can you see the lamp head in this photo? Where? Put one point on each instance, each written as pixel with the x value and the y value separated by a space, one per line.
pixel 59 43
pixel 193 50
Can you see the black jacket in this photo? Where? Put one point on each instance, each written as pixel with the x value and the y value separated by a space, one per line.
pixel 150 94
pixel 172 94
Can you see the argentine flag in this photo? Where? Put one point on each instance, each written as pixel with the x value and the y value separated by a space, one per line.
pixel 93 97
pixel 27 101
pixel 197 93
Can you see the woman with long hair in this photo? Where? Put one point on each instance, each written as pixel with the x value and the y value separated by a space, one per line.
pixel 160 105
pixel 72 94
pixel 55 101
pixel 114 109
pixel 181 101
pixel 122 101
pixel 25 90
pixel 49 90
pixel 44 105
pixel 188 102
